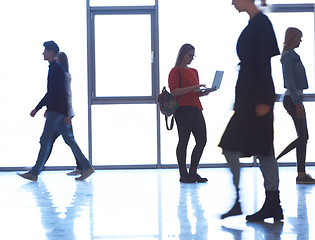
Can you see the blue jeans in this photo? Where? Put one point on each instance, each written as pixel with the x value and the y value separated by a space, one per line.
pixel 268 167
pixel 55 123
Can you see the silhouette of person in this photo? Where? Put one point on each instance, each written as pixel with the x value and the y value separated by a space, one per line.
pixel 57 119
pixel 295 81
pixel 250 129
pixel 182 82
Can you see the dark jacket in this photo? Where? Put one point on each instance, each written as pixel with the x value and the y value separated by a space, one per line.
pixel 56 98
pixel 246 132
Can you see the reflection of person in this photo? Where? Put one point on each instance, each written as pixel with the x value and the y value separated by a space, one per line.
pixel 57 119
pixel 189 200
pixel 189 118
pixel 265 230
pixel 57 223
pixel 295 81
pixel 63 60
pixel 250 130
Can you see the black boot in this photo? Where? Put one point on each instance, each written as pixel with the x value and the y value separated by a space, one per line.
pixel 193 174
pixel 271 208
pixel 236 209
pixel 185 177
pixel 196 176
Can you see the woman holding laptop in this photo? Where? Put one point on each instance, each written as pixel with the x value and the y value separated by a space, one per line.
pixel 183 81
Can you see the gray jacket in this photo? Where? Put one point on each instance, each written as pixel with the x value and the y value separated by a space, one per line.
pixel 294 74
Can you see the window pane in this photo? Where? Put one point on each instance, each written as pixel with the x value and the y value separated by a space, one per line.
pixel 123 55
pixel 304 22
pixel 124 134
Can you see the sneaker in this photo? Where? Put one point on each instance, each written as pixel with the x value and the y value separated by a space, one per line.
pixel 306 180
pixel 29 176
pixel 75 172
pixel 85 174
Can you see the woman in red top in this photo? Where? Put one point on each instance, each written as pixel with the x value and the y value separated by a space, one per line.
pixel 189 118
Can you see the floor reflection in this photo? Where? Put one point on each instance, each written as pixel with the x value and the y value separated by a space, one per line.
pixel 300 223
pixel 59 221
pixel 149 205
pixel 195 226
pixel 265 230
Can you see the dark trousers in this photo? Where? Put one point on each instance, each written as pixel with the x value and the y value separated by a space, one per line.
pixel 190 120
pixel 302 132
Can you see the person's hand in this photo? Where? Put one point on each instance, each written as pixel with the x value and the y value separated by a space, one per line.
pixel 45 113
pixel 262 109
pixel 206 92
pixel 199 86
pixel 67 120
pixel 300 111
pixel 33 112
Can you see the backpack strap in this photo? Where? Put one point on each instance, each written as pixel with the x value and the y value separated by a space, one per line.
pixel 172 123
pixel 172 119
pixel 180 77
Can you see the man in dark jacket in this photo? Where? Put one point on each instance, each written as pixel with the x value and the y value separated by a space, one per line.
pixel 57 119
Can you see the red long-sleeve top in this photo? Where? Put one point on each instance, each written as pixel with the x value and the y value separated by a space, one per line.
pixel 189 77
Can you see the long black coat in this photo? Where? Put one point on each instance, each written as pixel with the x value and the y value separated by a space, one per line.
pixel 246 132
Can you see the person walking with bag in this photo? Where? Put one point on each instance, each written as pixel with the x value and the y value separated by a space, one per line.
pixel 250 129
pixel 189 119
pixel 295 81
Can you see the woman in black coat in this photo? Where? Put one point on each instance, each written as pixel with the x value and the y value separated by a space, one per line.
pixel 250 130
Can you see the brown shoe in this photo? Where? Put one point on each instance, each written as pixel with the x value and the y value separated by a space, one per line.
pixel 29 176
pixel 85 174
pixel 75 172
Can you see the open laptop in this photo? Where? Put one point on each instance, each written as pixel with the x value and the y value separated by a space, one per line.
pixel 216 82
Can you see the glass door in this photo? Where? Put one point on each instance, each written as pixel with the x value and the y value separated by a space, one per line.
pixel 122 87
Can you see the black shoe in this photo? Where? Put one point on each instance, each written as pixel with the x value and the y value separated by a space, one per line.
pixel 235 210
pixel 270 209
pixel 198 178
pixel 187 179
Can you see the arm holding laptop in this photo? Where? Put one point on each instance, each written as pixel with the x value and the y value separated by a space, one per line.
pixel 181 91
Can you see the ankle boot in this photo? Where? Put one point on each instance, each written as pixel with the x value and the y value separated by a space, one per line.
pixel 234 211
pixel 187 179
pixel 271 208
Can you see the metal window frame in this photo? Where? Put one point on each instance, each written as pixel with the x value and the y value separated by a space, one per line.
pixel 155 89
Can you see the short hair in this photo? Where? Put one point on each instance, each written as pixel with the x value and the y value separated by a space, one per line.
pixel 51 46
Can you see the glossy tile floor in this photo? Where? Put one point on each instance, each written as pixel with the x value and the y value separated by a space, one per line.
pixel 149 204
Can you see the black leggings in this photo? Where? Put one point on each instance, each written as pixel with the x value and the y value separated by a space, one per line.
pixel 302 132
pixel 189 120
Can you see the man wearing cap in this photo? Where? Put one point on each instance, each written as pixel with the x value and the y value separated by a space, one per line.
pixel 57 118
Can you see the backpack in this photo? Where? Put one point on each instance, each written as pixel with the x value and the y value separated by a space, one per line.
pixel 168 104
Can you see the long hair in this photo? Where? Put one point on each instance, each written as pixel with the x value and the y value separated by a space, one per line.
pixel 63 60
pixel 182 51
pixel 290 34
